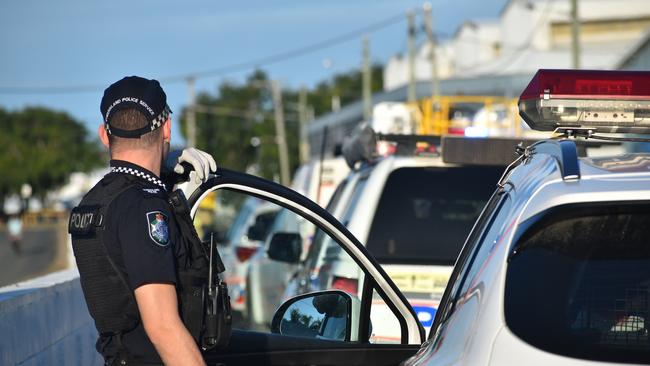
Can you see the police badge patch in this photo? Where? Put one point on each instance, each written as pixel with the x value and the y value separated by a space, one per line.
pixel 158 228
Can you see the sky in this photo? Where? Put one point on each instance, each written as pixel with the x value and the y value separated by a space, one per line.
pixel 71 43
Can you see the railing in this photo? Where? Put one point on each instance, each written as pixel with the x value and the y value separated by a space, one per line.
pixel 44 217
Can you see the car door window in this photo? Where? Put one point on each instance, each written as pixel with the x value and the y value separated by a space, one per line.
pixel 258 282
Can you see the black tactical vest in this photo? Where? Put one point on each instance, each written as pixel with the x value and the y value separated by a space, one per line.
pixel 110 300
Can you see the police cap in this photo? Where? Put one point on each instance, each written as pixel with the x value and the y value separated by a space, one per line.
pixel 144 95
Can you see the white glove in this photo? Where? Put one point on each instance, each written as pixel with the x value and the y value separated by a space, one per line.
pixel 202 162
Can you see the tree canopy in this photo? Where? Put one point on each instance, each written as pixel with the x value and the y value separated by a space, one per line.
pixel 42 147
pixel 244 111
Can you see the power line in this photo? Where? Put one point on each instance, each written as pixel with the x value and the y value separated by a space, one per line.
pixel 223 70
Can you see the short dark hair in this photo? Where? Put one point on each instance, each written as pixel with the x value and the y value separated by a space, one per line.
pixel 132 119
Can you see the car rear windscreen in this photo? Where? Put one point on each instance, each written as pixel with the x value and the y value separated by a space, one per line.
pixel 425 214
pixel 578 283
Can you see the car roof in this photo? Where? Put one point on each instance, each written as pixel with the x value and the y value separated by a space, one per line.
pixel 539 183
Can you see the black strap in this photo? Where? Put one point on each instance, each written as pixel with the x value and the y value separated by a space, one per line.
pixel 129 134
pixel 105 203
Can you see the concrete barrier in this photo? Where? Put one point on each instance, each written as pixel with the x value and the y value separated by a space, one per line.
pixel 45 321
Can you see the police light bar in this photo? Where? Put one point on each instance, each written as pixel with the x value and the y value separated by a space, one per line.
pixel 602 101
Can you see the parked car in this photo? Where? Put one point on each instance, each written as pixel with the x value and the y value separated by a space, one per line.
pixel 413 212
pixel 243 238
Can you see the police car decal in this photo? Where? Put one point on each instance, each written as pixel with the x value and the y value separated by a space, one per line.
pixel 158 228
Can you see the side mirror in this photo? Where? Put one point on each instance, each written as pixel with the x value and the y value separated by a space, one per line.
pixel 285 247
pixel 328 314
pixel 255 232
pixel 260 228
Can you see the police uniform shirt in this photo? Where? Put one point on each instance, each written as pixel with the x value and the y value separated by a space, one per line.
pixel 141 230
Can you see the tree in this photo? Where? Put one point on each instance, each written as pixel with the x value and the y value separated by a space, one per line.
pixel 241 112
pixel 42 147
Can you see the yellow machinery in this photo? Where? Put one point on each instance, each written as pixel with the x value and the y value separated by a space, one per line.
pixel 443 115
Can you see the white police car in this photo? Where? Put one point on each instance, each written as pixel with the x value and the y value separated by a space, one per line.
pixel 412 210
pixel 556 270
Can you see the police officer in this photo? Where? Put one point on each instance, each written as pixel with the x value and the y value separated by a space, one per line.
pixel 127 240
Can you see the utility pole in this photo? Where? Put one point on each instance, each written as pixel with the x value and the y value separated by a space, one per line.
pixel 428 24
pixel 575 35
pixel 411 56
pixel 367 80
pixel 191 113
pixel 302 117
pixel 280 133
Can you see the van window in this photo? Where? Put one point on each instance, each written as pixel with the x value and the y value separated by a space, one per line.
pixel 578 283
pixel 425 214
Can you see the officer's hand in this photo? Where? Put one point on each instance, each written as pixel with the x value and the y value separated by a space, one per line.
pixel 202 162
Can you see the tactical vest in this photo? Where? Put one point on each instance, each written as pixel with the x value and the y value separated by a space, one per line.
pixel 110 300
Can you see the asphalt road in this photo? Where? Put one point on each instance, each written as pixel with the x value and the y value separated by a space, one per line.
pixel 38 252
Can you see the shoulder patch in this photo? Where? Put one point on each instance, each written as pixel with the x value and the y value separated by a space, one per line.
pixel 158 228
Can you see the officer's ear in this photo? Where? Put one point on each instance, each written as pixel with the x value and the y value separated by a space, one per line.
pixel 167 130
pixel 103 136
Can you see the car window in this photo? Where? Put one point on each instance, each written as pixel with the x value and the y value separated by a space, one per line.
pixel 244 212
pixel 315 248
pixel 336 196
pixel 485 248
pixel 424 214
pixel 258 278
pixel 324 246
pixel 578 283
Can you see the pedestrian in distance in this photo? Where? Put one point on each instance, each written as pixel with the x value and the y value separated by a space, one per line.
pixel 136 253
pixel 15 231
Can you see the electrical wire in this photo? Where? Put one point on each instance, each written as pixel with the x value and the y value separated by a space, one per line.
pixel 223 70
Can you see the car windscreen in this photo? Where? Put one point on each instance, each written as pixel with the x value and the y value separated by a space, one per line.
pixel 578 283
pixel 425 214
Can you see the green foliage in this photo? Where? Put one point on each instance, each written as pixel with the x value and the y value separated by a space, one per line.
pixel 42 147
pixel 246 111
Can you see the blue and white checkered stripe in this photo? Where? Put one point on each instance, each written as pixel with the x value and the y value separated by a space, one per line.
pixel 138 173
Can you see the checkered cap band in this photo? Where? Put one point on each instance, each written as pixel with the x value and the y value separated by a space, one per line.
pixel 162 117
pixel 138 173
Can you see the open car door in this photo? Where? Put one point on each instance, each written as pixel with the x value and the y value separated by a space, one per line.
pixel 301 332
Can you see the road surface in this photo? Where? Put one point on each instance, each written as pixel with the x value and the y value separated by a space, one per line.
pixel 39 249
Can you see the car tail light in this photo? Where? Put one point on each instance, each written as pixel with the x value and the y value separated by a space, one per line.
pixel 244 253
pixel 348 285
pixel 601 101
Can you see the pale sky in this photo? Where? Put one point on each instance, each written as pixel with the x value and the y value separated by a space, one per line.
pixel 94 43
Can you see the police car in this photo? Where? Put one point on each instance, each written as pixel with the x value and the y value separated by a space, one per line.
pixel 554 271
pixel 412 209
